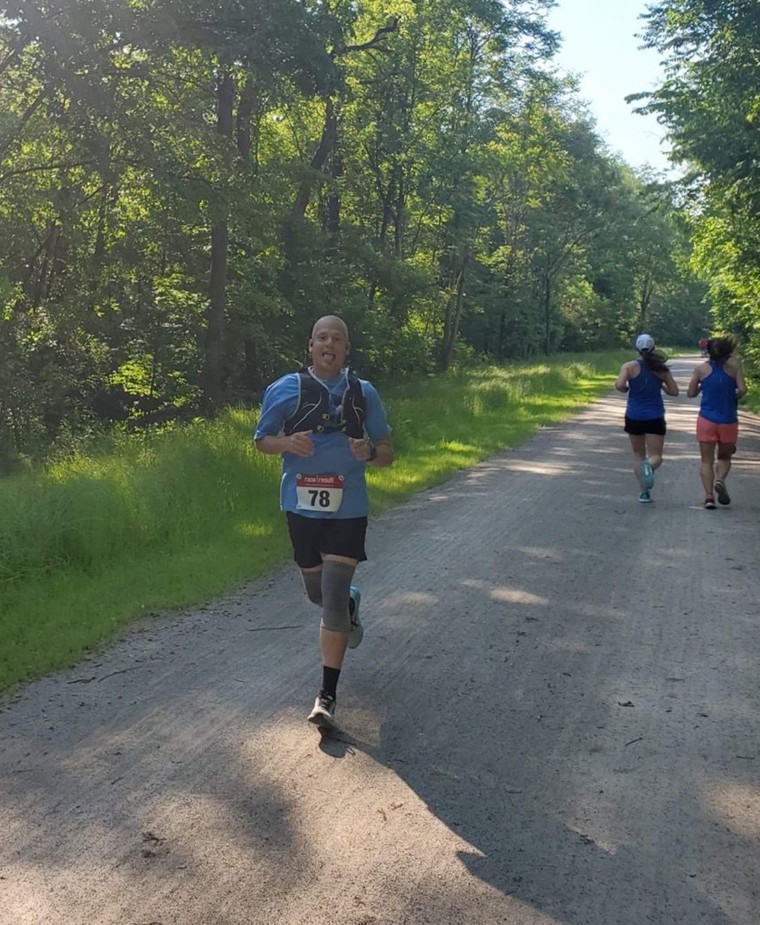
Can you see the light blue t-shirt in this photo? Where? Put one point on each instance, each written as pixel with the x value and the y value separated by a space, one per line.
pixel 341 477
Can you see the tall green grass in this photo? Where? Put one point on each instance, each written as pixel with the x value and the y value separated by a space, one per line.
pixel 149 524
pixel 177 490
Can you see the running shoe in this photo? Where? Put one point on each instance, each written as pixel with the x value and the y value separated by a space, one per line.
pixel 710 504
pixel 323 714
pixel 645 497
pixel 356 633
pixel 647 474
pixel 722 492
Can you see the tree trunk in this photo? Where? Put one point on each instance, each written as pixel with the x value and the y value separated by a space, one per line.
pixel 454 316
pixel 502 339
pixel 547 305
pixel 213 381
pixel 399 213
pixel 245 113
pixel 326 146
pixel 645 299
pixel 333 198
pixel 216 316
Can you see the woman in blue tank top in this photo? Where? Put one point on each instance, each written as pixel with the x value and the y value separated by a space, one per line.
pixel 720 381
pixel 644 380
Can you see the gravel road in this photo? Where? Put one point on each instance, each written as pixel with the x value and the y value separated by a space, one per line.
pixel 552 720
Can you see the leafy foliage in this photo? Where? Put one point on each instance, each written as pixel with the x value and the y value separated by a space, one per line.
pixel 184 188
pixel 710 102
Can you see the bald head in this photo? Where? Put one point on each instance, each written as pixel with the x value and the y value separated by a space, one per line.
pixel 330 321
pixel 329 345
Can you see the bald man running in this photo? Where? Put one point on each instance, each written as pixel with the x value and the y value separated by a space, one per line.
pixel 328 426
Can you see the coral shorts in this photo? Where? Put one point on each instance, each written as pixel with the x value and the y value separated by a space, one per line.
pixel 709 432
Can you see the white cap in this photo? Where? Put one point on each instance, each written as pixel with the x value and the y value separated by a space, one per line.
pixel 645 342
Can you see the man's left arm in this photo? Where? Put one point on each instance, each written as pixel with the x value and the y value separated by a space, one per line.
pixel 384 453
pixel 376 449
pixel 377 453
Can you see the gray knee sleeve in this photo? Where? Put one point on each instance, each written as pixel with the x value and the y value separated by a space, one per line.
pixel 336 589
pixel 312 584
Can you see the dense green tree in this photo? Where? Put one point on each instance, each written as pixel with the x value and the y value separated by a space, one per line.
pixel 710 103
pixel 183 188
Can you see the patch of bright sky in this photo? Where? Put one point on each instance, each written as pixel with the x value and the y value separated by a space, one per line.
pixel 601 46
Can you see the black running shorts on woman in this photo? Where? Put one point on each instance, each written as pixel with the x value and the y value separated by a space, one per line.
pixel 653 426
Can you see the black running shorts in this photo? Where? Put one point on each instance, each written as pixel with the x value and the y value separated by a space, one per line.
pixel 652 426
pixel 313 537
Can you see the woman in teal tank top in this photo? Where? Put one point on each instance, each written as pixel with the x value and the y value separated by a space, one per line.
pixel 644 380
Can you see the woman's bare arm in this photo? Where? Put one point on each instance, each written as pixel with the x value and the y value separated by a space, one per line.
pixel 621 383
pixel 669 384
pixel 693 388
pixel 741 385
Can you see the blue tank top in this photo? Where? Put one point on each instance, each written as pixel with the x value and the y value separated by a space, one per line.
pixel 645 395
pixel 719 401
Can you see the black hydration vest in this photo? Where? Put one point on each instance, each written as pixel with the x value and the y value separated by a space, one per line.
pixel 313 411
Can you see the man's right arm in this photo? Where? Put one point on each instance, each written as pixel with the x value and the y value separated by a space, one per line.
pixel 299 444
pixel 280 401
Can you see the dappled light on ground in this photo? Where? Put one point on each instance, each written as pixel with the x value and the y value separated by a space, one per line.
pixel 551 721
pixel 516 596
pixel 735 804
pixel 541 468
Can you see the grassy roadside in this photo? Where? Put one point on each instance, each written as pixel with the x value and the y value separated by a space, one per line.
pixel 95 544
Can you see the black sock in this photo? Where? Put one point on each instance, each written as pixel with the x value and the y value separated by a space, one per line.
pixel 329 681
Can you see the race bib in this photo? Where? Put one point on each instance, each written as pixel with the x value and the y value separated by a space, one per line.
pixel 319 492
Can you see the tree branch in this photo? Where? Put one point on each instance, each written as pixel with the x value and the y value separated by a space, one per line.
pixel 43 167
pixel 372 43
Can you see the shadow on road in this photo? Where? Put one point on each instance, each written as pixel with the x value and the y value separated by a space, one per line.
pixel 557 689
